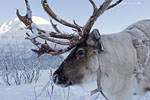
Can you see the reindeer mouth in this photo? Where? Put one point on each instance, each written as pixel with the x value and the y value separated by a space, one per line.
pixel 66 85
pixel 60 80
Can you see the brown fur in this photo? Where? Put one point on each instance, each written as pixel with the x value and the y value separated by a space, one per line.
pixel 75 67
pixel 147 89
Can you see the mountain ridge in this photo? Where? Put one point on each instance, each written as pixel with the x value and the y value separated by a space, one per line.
pixel 16 24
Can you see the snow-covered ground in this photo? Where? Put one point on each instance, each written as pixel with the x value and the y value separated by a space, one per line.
pixel 13 33
pixel 44 89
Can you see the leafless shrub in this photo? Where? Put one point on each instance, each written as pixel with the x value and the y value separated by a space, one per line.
pixel 48 91
pixel 17 76
pixel 12 75
pixel 6 74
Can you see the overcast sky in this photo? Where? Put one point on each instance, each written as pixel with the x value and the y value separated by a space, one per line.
pixel 114 20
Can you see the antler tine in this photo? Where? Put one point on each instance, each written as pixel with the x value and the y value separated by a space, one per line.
pixel 56 41
pixel 22 18
pixel 55 26
pixel 55 17
pixel 61 51
pixel 115 4
pixel 29 12
pixel 77 24
pixel 94 6
pixel 43 48
pixel 46 49
pixel 27 19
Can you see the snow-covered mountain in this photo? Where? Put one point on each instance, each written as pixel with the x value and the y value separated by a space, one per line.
pixel 16 29
pixel 14 45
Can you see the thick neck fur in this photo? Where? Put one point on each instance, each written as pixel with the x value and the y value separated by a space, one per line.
pixel 117 66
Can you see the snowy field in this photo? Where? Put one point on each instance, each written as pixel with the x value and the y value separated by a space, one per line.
pixel 44 89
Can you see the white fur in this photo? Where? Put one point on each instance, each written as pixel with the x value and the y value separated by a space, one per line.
pixel 119 60
pixel 117 65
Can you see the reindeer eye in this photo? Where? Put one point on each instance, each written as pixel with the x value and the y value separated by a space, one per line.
pixel 80 53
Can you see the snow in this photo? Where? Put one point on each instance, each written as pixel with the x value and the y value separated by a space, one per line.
pixel 4 28
pixel 13 29
pixel 28 91
pixel 43 91
pixel 40 21
pixel 15 24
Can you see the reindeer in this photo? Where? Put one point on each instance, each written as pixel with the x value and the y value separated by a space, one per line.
pixel 119 62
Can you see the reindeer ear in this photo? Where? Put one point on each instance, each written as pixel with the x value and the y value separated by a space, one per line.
pixel 96 34
pixel 93 39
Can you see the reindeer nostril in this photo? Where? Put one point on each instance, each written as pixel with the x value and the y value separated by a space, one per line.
pixel 55 78
pixel 59 78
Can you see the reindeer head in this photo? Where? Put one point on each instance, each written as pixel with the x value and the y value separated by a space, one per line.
pixel 82 62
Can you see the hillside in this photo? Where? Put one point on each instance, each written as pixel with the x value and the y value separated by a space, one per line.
pixel 13 44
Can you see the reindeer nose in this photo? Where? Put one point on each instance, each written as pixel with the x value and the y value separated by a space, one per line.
pixel 60 79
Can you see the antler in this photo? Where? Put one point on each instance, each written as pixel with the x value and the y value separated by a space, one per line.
pixel 71 39
pixel 47 36
pixel 96 13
